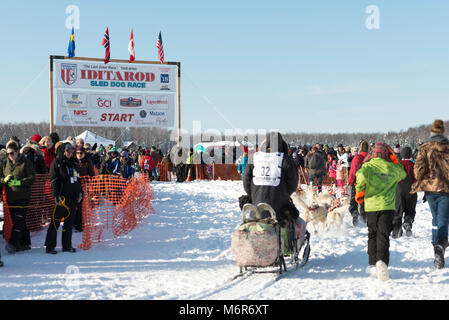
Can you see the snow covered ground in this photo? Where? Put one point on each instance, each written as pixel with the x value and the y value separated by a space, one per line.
pixel 183 252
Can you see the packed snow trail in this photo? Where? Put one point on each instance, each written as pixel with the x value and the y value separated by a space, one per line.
pixel 183 252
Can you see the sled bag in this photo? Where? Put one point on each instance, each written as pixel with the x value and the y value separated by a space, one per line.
pixel 255 244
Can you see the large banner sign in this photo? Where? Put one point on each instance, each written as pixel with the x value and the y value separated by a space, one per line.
pixel 114 95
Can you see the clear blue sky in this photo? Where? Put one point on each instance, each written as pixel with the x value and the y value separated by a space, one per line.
pixel 297 66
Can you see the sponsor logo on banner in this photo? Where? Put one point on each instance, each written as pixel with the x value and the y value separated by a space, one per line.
pixel 65 118
pixel 143 114
pixel 105 102
pixel 157 102
pixel 68 73
pixel 80 112
pixel 157 113
pixel 74 100
pixel 165 78
pixel 131 102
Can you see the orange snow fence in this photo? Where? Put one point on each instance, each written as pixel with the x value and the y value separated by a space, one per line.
pixel 201 172
pixel 226 172
pixel 164 171
pixel 111 206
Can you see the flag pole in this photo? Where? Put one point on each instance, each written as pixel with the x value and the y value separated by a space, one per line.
pixel 51 95
pixel 179 102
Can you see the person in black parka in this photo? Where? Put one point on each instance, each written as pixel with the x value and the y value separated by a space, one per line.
pixel 64 182
pixel 271 175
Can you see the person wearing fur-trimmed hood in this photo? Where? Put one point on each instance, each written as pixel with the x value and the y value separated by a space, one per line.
pixel 431 172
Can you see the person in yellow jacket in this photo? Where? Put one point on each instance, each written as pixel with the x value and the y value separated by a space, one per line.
pixel 377 180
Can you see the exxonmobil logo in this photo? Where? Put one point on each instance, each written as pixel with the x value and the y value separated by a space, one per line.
pixel 117 75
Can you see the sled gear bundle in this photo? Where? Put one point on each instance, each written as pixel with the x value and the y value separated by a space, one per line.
pixel 260 241
pixel 257 241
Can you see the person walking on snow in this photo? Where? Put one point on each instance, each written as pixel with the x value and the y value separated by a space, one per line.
pixel 377 180
pixel 432 176
pixel 405 201
pixel 354 208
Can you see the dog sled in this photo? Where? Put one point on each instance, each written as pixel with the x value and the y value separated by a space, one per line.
pixel 261 245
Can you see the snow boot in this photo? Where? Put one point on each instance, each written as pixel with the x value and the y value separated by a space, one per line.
pixel 355 220
pixel 50 251
pixel 408 228
pixel 397 233
pixel 10 248
pixel 382 271
pixel 439 256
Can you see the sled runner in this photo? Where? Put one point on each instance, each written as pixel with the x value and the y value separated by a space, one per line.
pixel 260 242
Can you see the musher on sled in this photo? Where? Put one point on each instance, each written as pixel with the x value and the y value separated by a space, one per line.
pixel 270 178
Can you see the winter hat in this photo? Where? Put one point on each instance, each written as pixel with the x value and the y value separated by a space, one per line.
pixel 113 149
pixel 406 153
pixel 147 151
pixel 437 126
pixel 37 138
pixel 68 146
pixel 381 150
pixel 59 143
pixel 54 137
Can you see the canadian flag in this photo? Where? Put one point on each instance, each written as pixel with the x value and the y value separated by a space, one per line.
pixel 132 54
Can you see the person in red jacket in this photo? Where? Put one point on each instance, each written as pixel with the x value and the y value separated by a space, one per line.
pixel 147 165
pixel 49 151
pixel 405 201
pixel 357 161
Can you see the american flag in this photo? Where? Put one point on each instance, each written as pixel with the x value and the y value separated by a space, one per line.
pixel 160 52
pixel 105 44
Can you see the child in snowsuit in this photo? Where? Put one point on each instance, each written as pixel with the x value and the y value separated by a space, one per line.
pixel 377 181
pixel 405 201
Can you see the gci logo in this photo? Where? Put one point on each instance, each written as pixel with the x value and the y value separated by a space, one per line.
pixel 104 103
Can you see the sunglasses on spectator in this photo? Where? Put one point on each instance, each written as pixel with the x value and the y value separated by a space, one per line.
pixel 10 153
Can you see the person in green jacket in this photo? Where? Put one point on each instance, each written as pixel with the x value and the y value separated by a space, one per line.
pixel 17 174
pixel 377 180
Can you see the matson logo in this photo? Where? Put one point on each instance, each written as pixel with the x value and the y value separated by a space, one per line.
pixel 117 75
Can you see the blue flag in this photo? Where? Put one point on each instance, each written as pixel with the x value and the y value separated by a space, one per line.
pixel 71 48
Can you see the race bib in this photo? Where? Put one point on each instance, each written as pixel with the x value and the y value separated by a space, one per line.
pixel 267 168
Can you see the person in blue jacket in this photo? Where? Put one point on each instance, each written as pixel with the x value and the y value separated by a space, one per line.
pixel 242 165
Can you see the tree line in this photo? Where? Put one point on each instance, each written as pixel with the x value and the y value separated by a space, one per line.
pixel 160 137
